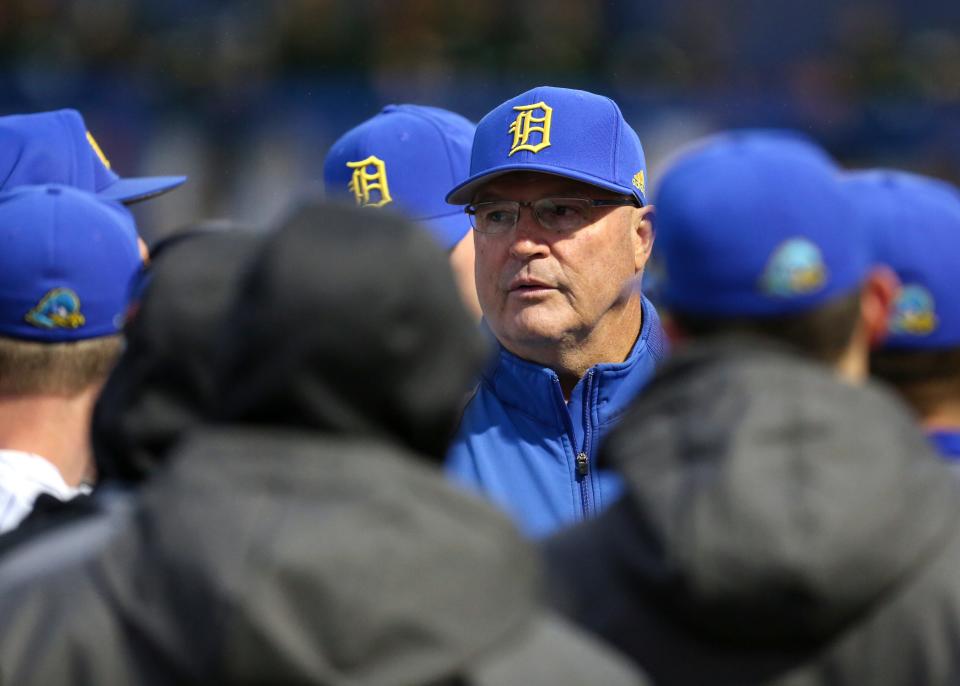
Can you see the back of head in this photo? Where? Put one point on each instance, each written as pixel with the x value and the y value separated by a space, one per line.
pixel 164 381
pixel 66 261
pixel 755 232
pixel 349 322
pixel 914 223
pixel 407 157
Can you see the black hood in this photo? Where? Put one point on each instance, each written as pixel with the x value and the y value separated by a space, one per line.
pixel 350 323
pixel 771 502
pixel 165 377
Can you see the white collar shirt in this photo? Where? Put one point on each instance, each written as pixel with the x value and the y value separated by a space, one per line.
pixel 23 477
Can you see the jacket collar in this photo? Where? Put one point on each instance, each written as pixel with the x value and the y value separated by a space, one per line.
pixel 534 390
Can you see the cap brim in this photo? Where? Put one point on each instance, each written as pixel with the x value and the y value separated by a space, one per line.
pixel 552 652
pixel 448 229
pixel 463 194
pixel 142 188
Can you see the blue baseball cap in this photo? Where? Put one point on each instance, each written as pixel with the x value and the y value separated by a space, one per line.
pixel 756 223
pixel 67 259
pixel 55 147
pixel 569 133
pixel 407 156
pixel 914 223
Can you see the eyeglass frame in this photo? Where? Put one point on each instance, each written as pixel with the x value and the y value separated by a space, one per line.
pixel 471 210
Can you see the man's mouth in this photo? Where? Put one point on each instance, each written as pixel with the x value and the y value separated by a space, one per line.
pixel 526 285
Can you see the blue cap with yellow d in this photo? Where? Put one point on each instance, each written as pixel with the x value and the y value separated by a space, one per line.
pixel 56 147
pixel 754 224
pixel 914 223
pixel 569 133
pixel 67 259
pixel 406 157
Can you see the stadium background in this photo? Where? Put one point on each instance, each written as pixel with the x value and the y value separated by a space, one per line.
pixel 246 96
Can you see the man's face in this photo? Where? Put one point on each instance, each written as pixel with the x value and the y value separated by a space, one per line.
pixel 538 288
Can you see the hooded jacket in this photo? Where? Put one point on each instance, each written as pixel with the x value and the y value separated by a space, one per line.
pixel 532 453
pixel 164 381
pixel 308 537
pixel 778 527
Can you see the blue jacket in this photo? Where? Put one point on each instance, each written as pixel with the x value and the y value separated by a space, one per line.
pixel 947 444
pixel 533 454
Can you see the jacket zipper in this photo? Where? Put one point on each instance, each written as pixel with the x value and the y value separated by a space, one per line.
pixel 583 457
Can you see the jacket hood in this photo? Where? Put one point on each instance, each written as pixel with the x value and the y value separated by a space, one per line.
pixel 353 563
pixel 774 503
pixel 350 323
pixel 165 377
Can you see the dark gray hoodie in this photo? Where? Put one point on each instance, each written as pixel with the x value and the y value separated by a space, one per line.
pixel 778 527
pixel 308 537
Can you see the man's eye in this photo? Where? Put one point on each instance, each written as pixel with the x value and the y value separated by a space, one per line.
pixel 565 210
pixel 498 216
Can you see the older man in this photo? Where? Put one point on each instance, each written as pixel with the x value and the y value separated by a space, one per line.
pixel 562 231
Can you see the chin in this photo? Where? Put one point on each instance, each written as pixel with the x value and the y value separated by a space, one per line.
pixel 534 330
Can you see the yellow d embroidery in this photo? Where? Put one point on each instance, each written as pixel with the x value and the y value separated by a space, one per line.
pixel 639 181
pixel 528 123
pixel 369 177
pixel 96 149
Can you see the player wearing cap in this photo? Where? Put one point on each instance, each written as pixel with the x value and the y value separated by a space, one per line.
pixel 407 157
pixel 783 519
pixel 56 147
pixel 562 229
pixel 915 223
pixel 66 261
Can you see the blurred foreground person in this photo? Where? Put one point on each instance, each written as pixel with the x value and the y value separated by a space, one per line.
pixel 784 520
pixel 915 222
pixel 66 261
pixel 308 536
pixel 407 157
pixel 164 383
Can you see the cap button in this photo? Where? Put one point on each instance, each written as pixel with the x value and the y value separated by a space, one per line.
pixel 53 191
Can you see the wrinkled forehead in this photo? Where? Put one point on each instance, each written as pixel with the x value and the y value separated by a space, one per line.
pixel 526 185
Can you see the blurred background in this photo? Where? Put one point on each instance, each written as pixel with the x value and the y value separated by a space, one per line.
pixel 246 96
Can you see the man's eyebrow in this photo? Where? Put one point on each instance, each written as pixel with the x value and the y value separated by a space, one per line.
pixel 569 192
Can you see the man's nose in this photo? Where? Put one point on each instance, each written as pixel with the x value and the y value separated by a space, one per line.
pixel 528 235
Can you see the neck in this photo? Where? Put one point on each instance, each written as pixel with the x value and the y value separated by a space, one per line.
pixel 944 417
pixel 56 428
pixel 610 342
pixel 854 364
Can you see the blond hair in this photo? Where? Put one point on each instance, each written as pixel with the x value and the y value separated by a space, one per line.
pixel 32 368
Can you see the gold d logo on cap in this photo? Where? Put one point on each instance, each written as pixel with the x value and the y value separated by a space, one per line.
pixel 96 149
pixel 369 176
pixel 525 125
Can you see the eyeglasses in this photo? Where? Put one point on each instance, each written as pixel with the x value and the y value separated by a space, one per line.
pixel 560 215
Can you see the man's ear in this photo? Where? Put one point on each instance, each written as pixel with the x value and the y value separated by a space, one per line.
pixel 880 291
pixel 643 234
